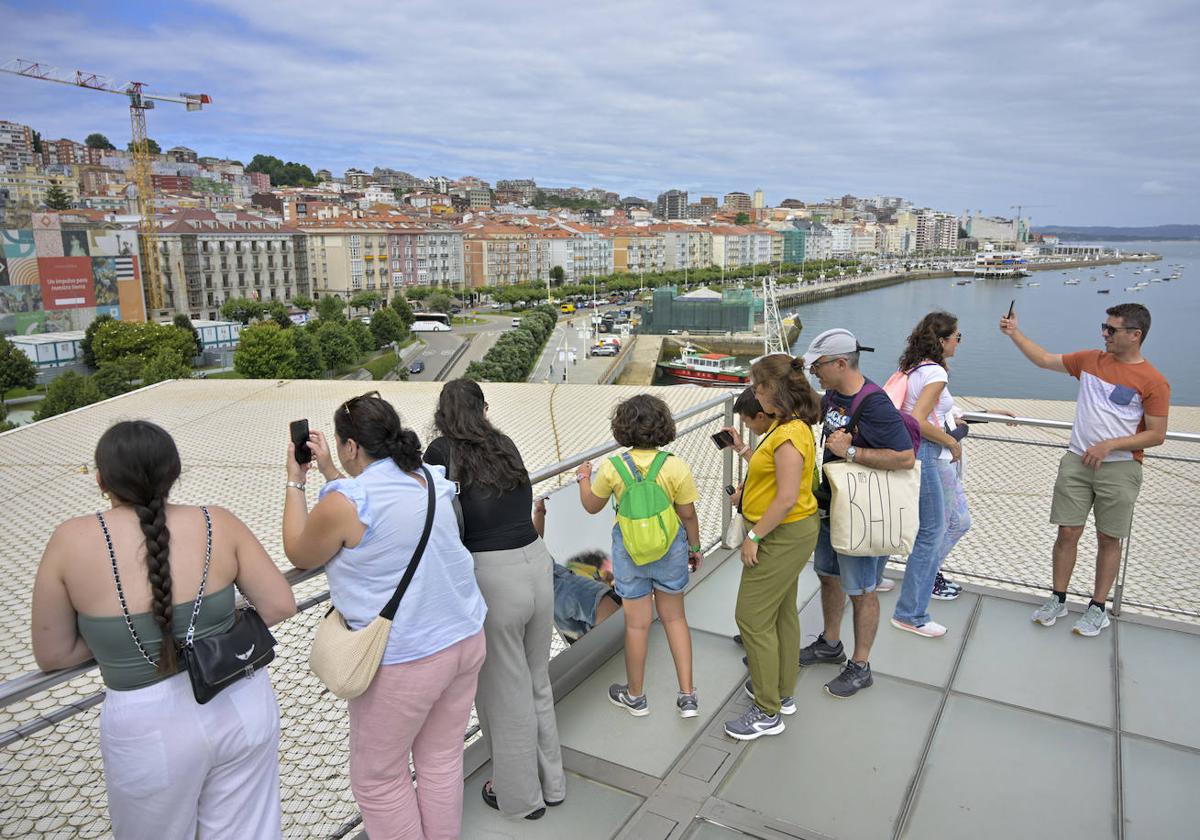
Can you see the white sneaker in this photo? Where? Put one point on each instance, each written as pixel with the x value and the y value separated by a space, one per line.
pixel 1050 612
pixel 886 585
pixel 930 629
pixel 1093 620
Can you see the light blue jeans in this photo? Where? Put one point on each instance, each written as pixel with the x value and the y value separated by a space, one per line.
pixel 958 515
pixel 913 605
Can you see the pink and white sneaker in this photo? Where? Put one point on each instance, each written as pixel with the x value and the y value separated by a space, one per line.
pixel 930 629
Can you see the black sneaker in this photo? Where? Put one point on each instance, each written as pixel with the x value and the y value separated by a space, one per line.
pixel 821 651
pixel 852 678
pixel 943 590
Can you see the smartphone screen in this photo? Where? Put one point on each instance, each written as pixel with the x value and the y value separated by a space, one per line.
pixel 1010 308
pixel 722 439
pixel 299 432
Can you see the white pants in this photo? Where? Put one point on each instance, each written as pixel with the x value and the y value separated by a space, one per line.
pixel 176 770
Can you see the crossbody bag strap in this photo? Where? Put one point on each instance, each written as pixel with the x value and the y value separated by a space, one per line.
pixel 389 610
pixel 112 557
pixel 191 630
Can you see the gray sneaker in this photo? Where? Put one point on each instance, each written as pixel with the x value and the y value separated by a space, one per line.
pixel 688 704
pixel 852 678
pixel 822 651
pixel 787 705
pixel 1050 612
pixel 1093 620
pixel 754 723
pixel 619 695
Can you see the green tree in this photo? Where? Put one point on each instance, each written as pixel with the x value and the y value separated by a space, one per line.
pixel 403 310
pixel 331 308
pixel 279 314
pixel 97 141
pixel 85 346
pixel 439 302
pixel 741 219
pixel 308 363
pixel 387 327
pixel 16 371
pixel 185 323
pixel 243 310
pixel 367 299
pixel 417 292
pixel 303 302
pixel 66 393
pixel 265 352
pixel 117 339
pixel 364 340
pixel 282 174
pixel 37 142
pixel 557 275
pixel 57 198
pixel 338 348
pixel 163 364
pixel 118 376
pixel 151 144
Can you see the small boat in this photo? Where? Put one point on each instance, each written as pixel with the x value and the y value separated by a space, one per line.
pixel 1018 285
pixel 1073 281
pixel 692 366
pixel 1133 288
pixel 1032 285
pixel 1102 291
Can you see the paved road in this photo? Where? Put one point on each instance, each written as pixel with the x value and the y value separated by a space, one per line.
pixel 439 347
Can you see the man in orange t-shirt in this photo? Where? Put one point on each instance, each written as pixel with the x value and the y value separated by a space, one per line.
pixel 1121 410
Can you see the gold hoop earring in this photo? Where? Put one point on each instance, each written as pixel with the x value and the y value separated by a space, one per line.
pixel 104 493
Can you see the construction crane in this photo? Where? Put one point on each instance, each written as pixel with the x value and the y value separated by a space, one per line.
pixel 1019 208
pixel 139 103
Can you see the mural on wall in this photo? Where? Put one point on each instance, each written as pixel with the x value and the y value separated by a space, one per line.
pixel 54 280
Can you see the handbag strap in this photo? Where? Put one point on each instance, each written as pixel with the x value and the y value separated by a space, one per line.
pixel 112 557
pixel 389 610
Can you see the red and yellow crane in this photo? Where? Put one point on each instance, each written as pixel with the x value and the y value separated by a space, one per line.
pixel 139 103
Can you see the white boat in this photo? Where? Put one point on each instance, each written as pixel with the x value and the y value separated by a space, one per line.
pixel 1132 289
pixel 1032 285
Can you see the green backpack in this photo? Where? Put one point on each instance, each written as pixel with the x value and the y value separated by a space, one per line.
pixel 646 516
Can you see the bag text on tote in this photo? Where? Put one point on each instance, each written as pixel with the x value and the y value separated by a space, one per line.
pixel 872 512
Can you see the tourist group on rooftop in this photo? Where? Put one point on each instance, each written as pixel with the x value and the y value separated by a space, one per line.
pixel 445 596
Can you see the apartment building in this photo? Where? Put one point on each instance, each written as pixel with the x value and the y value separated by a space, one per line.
pixel 68 153
pixel 637 250
pixel 586 251
pixel 841 236
pixel 863 238
pixel 671 205
pixel 989 229
pixel 28 187
pixel 685 246
pixel 384 255
pixel 737 202
pixel 208 258
pixel 497 253
pixel 16 146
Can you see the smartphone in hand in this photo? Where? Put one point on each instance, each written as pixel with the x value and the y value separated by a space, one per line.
pixel 299 433
pixel 722 439
pixel 1010 308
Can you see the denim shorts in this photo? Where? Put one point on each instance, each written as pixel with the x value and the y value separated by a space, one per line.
pixel 575 601
pixel 668 573
pixel 859 574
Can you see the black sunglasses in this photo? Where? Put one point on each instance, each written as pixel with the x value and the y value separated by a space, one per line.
pixel 1109 329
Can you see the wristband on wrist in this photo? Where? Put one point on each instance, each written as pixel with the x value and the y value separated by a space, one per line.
pixel 297 484
pixel 744 447
pixel 695 549
pixel 753 537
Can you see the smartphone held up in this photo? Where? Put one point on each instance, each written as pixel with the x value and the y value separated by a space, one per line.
pixel 722 439
pixel 299 433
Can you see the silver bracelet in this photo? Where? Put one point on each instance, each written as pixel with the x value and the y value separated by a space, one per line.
pixel 298 485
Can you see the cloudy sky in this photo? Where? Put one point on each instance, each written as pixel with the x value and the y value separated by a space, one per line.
pixel 1090 110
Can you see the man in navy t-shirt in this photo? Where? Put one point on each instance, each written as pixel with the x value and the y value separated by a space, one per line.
pixel 882 441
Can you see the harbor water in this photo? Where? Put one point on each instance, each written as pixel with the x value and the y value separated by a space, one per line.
pixel 1062 318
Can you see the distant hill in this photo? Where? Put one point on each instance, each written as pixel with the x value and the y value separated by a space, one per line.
pixel 1122 233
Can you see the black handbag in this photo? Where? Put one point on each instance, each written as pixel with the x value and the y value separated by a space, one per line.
pixel 215 662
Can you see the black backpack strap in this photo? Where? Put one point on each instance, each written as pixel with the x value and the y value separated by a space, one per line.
pixel 389 611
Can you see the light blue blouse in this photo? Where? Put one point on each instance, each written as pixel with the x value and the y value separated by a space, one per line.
pixel 443 604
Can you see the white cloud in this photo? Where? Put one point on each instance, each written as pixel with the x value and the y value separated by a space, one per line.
pixel 1051 104
pixel 1156 187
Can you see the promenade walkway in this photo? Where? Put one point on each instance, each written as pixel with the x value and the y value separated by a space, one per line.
pixel 1114 720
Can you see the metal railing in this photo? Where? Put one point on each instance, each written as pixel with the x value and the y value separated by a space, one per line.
pixel 694 425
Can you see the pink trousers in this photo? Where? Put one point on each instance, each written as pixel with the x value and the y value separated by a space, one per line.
pixel 418 709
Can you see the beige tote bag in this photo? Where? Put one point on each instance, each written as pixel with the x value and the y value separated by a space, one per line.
pixel 872 512
pixel 346 660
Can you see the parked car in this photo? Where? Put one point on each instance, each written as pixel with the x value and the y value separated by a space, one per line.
pixel 417 367
pixel 605 350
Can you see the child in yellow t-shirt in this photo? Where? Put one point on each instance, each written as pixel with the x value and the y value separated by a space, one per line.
pixel 643 424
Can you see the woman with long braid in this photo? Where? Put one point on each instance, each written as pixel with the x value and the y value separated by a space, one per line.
pixel 107 587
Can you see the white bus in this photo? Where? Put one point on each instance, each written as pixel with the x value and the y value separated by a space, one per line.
pixel 431 322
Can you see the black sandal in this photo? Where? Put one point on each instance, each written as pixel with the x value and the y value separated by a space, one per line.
pixel 489 797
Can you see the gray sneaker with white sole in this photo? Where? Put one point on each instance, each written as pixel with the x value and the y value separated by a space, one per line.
pixel 1093 620
pixel 1050 612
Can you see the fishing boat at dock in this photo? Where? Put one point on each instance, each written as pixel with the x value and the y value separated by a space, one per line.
pixel 698 368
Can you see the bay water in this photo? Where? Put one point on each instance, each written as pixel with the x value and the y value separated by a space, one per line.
pixel 1059 317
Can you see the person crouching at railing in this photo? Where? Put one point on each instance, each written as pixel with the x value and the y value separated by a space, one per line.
pixel 778 504
pixel 583 593
pixel 107 587
pixel 367 529
pixel 514 570
pixel 656 540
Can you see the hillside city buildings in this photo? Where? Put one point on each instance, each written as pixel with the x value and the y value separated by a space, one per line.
pixel 227 232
